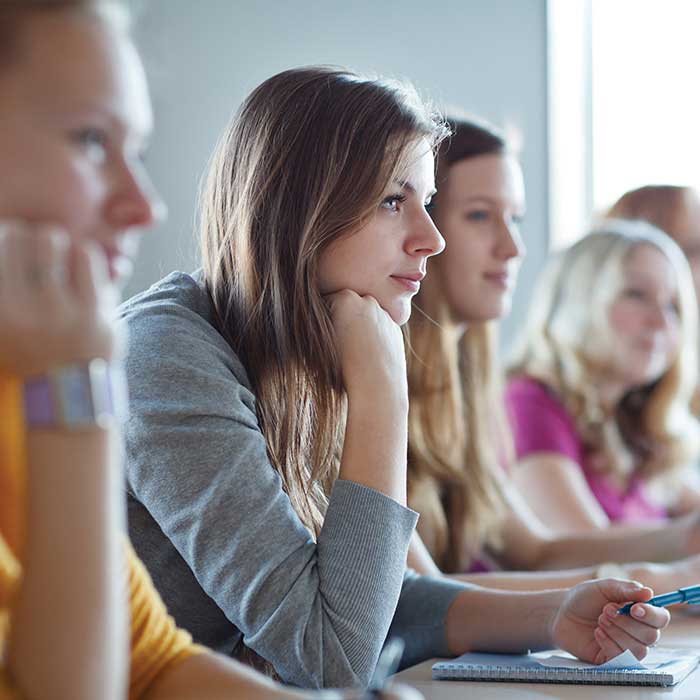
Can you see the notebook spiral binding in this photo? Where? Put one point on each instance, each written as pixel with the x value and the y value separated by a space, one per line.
pixel 551 675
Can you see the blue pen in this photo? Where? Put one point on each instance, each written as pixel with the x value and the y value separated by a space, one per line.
pixel 690 595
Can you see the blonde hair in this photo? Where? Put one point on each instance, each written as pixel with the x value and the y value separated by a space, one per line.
pixel 567 339
pixel 305 161
pixel 457 431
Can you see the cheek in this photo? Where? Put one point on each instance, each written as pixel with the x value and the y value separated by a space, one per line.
pixel 350 264
pixel 624 319
pixel 53 190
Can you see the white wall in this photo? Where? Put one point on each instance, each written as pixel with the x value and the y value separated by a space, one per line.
pixel 203 57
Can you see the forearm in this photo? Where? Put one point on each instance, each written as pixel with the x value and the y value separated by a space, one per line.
pixel 477 618
pixel 216 677
pixel 528 580
pixel 69 636
pixel 374 449
pixel 629 544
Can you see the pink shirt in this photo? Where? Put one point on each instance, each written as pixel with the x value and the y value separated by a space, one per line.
pixel 540 423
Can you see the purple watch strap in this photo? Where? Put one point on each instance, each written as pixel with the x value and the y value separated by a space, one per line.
pixel 38 404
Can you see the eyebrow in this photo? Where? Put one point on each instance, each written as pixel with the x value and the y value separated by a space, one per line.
pixel 486 198
pixel 406 185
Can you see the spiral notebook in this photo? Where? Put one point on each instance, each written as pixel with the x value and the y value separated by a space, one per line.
pixel 662 667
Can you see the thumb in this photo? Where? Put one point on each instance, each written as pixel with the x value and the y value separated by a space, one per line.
pixel 619 591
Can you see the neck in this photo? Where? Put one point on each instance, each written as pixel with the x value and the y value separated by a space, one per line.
pixel 611 392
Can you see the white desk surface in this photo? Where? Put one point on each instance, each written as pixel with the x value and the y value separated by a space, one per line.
pixel 682 633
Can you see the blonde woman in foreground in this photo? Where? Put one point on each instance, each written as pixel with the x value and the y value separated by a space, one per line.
pixel 74 118
pixel 460 479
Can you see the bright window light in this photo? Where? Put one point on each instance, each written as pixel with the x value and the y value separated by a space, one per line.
pixel 645 95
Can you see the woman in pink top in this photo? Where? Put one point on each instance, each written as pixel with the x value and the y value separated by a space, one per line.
pixel 601 384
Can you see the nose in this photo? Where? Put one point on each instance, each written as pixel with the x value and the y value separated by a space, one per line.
pixel 510 243
pixel 657 318
pixel 136 203
pixel 425 239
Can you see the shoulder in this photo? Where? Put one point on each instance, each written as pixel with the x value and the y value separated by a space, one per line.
pixel 175 301
pixel 171 327
pixel 539 420
pixel 524 393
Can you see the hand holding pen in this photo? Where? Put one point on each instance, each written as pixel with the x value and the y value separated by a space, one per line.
pixel 690 595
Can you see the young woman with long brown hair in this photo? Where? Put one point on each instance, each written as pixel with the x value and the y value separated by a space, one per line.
pixel 460 454
pixel 74 194
pixel 267 439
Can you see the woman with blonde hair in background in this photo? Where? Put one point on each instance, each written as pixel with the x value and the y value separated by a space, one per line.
pixel 601 383
pixel 74 118
pixel 459 472
pixel 269 403
pixel 675 209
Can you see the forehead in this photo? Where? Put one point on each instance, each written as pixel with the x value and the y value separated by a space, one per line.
pixel 419 168
pixel 67 61
pixel 492 176
pixel 647 263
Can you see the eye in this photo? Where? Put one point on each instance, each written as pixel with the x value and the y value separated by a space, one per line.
pixel 518 219
pixel 478 215
pixel 632 293
pixel 93 141
pixel 393 201
pixel 429 206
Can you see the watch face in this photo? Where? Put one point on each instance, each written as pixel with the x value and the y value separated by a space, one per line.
pixel 75 396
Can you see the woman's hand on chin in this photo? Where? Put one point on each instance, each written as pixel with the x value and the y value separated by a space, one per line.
pixel 56 300
pixel 370 347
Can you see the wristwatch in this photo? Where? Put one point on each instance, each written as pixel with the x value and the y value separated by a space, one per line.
pixel 76 396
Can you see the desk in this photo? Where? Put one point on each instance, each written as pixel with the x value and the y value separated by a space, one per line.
pixel 682 633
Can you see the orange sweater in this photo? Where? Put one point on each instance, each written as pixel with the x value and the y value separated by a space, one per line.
pixel 156 642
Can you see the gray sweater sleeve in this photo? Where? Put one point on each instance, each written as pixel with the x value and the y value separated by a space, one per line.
pixel 197 461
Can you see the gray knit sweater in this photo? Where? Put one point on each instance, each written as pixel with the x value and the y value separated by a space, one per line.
pixel 224 546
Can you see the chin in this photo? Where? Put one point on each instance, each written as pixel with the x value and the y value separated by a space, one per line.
pixel 399 312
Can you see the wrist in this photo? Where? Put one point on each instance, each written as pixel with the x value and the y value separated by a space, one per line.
pixel 78 396
pixel 380 398
pixel 558 600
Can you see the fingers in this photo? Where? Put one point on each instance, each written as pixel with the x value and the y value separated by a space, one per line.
pixel 89 273
pixel 619 591
pixel 33 262
pixel 45 253
pixel 56 300
pixel 609 648
pixel 12 277
pixel 636 632
pixel 650 615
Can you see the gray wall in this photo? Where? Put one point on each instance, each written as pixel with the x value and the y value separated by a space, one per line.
pixel 203 57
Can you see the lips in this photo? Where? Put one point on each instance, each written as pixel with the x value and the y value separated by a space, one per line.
pixel 409 280
pixel 502 279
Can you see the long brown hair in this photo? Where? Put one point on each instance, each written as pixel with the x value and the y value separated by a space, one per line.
pixel 305 160
pixel 455 418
